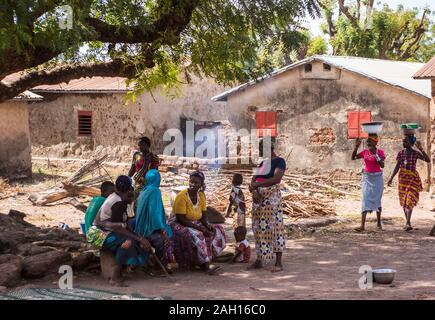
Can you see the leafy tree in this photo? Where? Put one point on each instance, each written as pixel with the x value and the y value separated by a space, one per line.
pixel 145 40
pixel 360 29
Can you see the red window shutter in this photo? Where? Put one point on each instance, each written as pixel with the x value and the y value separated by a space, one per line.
pixel 266 120
pixel 354 120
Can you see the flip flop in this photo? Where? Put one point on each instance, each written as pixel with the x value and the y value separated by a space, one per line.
pixel 213 270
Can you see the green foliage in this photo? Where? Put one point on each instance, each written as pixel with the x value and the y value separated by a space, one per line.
pixel 230 41
pixel 395 34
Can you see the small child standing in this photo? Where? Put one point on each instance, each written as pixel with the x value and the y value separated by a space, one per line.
pixel 237 202
pixel 243 249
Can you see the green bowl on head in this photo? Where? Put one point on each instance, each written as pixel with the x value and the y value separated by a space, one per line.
pixel 410 126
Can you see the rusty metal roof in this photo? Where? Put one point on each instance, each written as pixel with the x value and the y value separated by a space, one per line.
pixel 395 73
pixel 92 84
pixel 427 72
pixel 88 84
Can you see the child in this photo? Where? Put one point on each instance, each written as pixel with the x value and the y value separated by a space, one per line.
pixel 243 250
pixel 237 201
pixel 107 188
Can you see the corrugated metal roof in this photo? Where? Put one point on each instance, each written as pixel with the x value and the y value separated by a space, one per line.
pixel 86 84
pixel 28 96
pixel 427 72
pixel 394 73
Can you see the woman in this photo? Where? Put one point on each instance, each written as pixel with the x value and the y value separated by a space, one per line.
pixel 372 179
pixel 150 219
pixel 112 232
pixel 196 241
pixel 267 215
pixel 143 161
pixel 410 184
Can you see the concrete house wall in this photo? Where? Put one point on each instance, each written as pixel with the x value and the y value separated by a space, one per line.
pixel 15 160
pixel 312 114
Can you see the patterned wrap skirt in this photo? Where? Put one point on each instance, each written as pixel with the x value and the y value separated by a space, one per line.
pixel 268 223
pixel 410 187
pixel 192 248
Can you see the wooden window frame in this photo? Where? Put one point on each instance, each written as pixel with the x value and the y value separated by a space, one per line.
pixel 80 114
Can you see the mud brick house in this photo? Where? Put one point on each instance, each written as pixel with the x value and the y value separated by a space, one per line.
pixel 90 115
pixel 314 108
pixel 15 158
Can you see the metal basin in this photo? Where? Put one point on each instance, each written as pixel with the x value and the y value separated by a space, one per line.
pixel 383 276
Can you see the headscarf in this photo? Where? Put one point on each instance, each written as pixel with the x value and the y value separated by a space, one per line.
pixel 123 184
pixel 150 214
pixel 374 139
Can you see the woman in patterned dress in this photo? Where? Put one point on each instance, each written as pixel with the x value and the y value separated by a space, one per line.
pixel 267 215
pixel 196 241
pixel 410 184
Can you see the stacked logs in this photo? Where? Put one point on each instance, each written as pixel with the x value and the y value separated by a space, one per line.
pixel 27 251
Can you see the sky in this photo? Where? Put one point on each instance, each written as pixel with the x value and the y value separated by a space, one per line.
pixel 314 25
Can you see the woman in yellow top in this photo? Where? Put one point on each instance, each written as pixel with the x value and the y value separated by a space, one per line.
pixel 196 242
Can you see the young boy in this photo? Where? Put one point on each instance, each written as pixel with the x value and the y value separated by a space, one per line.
pixel 243 250
pixel 237 202
pixel 107 188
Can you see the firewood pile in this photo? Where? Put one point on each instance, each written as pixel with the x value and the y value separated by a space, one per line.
pixel 27 251
pixel 303 196
pixel 85 181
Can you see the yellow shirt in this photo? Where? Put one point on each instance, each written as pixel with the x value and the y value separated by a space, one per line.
pixel 183 205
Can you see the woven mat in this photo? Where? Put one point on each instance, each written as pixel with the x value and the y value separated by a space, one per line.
pixel 71 294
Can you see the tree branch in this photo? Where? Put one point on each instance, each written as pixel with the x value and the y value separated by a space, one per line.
pixel 345 10
pixel 418 33
pixel 64 74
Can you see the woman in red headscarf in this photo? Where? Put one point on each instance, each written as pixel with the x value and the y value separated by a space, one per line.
pixel 372 179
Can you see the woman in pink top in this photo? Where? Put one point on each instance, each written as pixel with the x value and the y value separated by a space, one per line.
pixel 372 179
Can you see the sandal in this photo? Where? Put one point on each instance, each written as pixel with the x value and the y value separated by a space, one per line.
pixel 213 270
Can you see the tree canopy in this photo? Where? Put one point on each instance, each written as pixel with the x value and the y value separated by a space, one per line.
pixel 147 41
pixel 358 28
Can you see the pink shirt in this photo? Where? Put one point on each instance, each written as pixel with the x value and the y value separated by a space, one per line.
pixel 371 164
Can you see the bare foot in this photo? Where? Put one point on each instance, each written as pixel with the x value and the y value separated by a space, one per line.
pixel 118 283
pixel 359 229
pixel 380 227
pixel 277 269
pixel 256 265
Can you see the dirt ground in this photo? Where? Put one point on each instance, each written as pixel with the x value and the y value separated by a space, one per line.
pixel 322 264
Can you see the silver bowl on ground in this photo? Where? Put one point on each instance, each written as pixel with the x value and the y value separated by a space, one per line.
pixel 383 276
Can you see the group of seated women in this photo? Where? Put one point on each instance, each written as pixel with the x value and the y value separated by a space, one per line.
pixel 187 239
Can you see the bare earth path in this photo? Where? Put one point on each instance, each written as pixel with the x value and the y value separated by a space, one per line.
pixel 319 265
